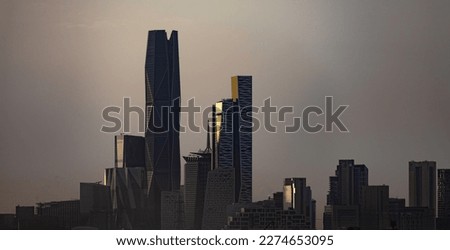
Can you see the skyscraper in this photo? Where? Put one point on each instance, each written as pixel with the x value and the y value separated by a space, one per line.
pixel 162 142
pixel 346 185
pixel 232 136
pixel 197 166
pixel 422 184
pixel 345 195
pixel 443 220
pixel 297 196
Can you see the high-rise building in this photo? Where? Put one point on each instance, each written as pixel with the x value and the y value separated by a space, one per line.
pixel 219 194
pixel 297 196
pixel 345 195
pixel 197 166
pixel 162 140
pixel 443 220
pixel 129 151
pixel 374 208
pixel 350 180
pixel 422 184
pixel 128 197
pixel 232 136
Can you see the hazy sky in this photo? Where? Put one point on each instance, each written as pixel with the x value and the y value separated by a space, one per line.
pixel 61 63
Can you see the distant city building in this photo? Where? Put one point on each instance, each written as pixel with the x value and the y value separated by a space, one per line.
pixel 59 214
pixel 219 194
pixel 278 200
pixel 195 179
pixel 128 197
pixel 172 216
pixel 264 215
pixel 350 180
pixel 443 220
pixel 95 206
pixel 8 222
pixel 327 218
pixel 374 210
pixel 25 218
pixel 396 208
pixel 342 217
pixel 162 102
pixel 422 184
pixel 417 218
pixel 129 151
pixel 232 136
pixel 345 195
pixel 297 196
pixel 332 196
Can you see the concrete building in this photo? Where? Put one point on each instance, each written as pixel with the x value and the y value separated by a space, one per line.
pixel 443 220
pixel 374 207
pixel 297 196
pixel 422 184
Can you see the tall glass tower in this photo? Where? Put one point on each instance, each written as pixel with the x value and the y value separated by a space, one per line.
pixel 162 140
pixel 232 136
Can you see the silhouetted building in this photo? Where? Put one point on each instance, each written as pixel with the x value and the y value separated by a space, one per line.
pixel 95 206
pixel 443 220
pixel 128 197
pixel 59 214
pixel 195 179
pixel 327 218
pixel 375 207
pixel 345 217
pixel 232 136
pixel 8 222
pixel 332 196
pixel 345 196
pixel 25 218
pixel 172 212
pixel 422 184
pixel 396 208
pixel 278 200
pixel 129 151
pixel 219 194
pixel 162 147
pixel 297 196
pixel 417 218
pixel 263 215
pixel 350 180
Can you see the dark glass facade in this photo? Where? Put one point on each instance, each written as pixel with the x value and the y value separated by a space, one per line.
pixel 232 136
pixel 162 141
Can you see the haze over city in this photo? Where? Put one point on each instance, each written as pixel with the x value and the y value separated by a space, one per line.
pixel 63 62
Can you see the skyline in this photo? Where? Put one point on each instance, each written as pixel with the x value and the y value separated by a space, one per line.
pixel 370 143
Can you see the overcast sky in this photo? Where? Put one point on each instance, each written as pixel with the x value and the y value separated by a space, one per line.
pixel 62 62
